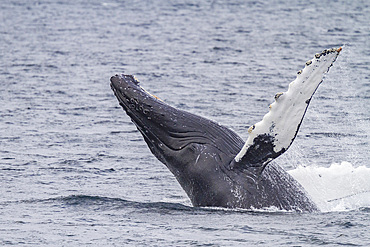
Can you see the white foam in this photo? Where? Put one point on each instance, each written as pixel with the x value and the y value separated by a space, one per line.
pixel 339 187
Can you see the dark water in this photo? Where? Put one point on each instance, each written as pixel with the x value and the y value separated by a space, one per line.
pixel 74 171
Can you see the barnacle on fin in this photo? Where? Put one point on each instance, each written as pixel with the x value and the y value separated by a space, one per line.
pixel 278 95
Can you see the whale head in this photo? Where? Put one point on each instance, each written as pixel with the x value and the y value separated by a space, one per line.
pixel 150 115
pixel 195 149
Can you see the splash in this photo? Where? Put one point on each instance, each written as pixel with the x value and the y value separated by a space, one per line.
pixel 340 187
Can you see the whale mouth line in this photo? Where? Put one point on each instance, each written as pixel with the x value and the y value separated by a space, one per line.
pixel 137 118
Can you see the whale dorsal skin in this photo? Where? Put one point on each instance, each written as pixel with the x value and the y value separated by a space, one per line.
pixel 214 165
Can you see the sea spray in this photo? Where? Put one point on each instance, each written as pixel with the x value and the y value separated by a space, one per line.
pixel 339 187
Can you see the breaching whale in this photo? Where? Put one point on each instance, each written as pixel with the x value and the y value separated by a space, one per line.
pixel 214 165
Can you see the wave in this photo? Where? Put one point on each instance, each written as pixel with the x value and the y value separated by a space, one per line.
pixel 340 187
pixel 107 203
pixel 101 203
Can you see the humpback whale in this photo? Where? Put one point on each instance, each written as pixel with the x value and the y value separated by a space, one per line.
pixel 214 166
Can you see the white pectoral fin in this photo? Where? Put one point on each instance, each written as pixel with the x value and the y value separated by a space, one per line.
pixel 275 133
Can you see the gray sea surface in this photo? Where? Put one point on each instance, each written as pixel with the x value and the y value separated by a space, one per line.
pixel 74 171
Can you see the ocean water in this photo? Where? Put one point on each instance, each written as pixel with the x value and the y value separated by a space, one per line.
pixel 75 172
